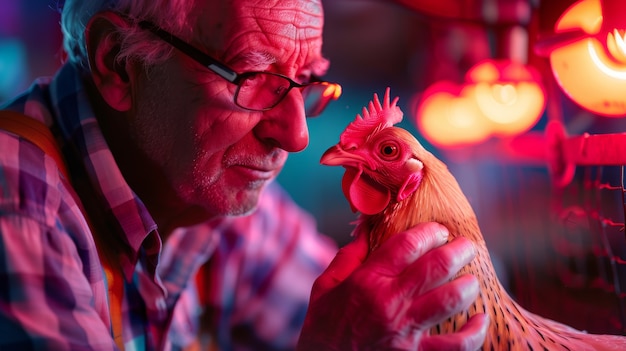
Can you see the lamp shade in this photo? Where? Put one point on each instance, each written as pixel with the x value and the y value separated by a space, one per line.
pixel 592 69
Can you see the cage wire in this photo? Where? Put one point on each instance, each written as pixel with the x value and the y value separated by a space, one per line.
pixel 559 251
pixel 590 246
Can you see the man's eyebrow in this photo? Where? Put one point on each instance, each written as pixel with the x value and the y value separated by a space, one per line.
pixel 257 58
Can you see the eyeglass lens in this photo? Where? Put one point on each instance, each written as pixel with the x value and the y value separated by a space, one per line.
pixel 262 91
pixel 317 96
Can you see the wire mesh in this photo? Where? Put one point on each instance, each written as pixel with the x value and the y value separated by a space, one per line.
pixel 589 244
pixel 559 251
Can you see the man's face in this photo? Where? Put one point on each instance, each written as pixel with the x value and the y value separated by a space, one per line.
pixel 214 154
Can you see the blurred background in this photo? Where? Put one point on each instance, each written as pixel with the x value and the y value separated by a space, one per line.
pixel 552 217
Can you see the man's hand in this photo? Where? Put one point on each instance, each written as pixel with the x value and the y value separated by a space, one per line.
pixel 392 299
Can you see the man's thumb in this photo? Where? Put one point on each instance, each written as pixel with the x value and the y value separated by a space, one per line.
pixel 348 258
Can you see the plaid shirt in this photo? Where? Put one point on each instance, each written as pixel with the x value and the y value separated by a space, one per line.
pixel 53 294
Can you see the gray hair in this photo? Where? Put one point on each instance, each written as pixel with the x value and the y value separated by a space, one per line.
pixel 136 43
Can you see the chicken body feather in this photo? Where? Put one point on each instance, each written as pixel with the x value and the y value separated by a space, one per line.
pixel 396 183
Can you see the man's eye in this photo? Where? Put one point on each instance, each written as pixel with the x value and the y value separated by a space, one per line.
pixel 279 90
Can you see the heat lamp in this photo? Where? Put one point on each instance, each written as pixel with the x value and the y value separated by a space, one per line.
pixel 588 55
pixel 500 98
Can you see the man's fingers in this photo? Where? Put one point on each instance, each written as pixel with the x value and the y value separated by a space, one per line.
pixel 469 338
pixel 391 257
pixel 436 305
pixel 402 249
pixel 437 266
pixel 348 258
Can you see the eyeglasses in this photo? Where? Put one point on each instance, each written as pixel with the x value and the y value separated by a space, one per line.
pixel 256 91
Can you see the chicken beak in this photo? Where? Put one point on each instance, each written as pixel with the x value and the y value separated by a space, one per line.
pixel 337 156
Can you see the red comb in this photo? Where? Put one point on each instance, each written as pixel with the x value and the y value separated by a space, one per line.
pixel 372 119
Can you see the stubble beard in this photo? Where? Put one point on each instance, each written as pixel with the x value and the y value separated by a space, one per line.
pixel 217 194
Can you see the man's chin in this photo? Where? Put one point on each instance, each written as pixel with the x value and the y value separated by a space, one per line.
pixel 242 212
pixel 242 203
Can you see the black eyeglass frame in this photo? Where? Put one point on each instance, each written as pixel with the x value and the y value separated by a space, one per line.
pixel 223 70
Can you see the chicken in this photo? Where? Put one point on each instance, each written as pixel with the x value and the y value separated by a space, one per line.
pixel 395 183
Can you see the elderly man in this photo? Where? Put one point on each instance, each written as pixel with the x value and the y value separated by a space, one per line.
pixel 171 117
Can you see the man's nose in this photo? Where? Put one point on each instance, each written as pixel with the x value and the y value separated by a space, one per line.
pixel 285 125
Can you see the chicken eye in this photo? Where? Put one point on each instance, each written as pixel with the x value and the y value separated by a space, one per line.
pixel 389 150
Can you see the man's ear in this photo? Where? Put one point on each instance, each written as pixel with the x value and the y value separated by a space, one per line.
pixel 111 77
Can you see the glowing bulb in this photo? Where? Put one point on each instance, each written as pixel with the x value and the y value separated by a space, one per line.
pixel 616 44
pixel 509 95
pixel 603 63
pixel 506 94
pixel 512 108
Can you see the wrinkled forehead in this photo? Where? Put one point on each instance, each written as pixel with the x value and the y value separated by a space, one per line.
pixel 287 29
